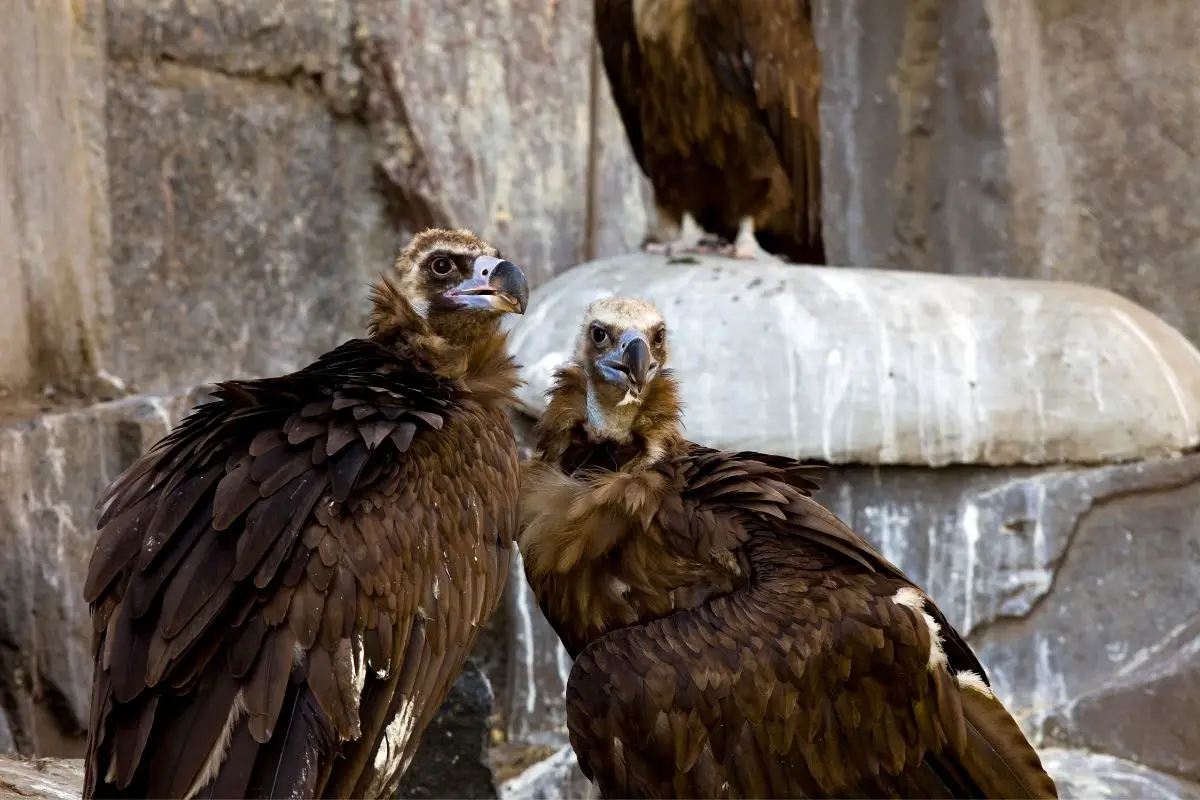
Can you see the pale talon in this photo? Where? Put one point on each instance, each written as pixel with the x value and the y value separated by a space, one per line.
pixel 746 245
pixel 689 238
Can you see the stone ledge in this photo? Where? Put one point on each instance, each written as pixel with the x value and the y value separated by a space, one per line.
pixel 847 367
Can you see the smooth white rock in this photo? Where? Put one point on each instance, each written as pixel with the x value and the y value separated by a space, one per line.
pixel 882 367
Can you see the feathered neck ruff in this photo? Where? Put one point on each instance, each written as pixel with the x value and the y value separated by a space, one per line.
pixel 473 352
pixel 655 428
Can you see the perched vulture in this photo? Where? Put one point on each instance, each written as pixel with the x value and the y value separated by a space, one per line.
pixel 719 101
pixel 731 637
pixel 285 587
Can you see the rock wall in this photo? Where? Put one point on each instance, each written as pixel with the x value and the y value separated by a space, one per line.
pixel 1024 138
pixel 200 190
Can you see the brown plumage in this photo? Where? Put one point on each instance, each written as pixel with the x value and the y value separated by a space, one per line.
pixel 732 637
pixel 719 101
pixel 285 587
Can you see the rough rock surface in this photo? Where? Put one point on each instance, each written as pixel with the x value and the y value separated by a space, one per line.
pixel 538 665
pixel 882 367
pixel 54 468
pixel 53 207
pixel 1024 138
pixel 450 760
pixel 240 248
pixel 240 37
pixel 48 778
pixel 556 777
pixel 1081 775
pixel 537 672
pixel 483 118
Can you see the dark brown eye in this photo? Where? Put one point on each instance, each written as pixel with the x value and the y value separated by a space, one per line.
pixel 658 337
pixel 441 266
pixel 599 335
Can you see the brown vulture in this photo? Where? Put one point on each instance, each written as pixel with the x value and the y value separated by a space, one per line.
pixel 731 637
pixel 285 587
pixel 719 102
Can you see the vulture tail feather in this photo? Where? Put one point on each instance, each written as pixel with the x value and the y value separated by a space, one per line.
pixel 999 758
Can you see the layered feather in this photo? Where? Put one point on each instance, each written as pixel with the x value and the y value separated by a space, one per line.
pixel 733 638
pixel 258 575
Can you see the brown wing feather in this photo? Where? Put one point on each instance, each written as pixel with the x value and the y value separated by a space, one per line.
pixel 766 53
pixel 762 694
pixel 810 680
pixel 244 537
pixel 622 58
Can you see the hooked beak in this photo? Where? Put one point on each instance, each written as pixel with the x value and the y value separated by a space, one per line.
pixel 494 284
pixel 633 361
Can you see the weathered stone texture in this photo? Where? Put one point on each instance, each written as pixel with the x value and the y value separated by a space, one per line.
pixel 1081 775
pixel 450 759
pixel 44 778
pixel 553 778
pixel 273 38
pixel 1147 710
pixel 622 200
pixel 484 120
pixel 538 669
pixel 892 367
pixel 53 208
pixel 538 665
pixel 232 259
pixel 54 469
pixel 1023 138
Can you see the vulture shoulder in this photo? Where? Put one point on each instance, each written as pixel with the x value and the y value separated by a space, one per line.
pixel 823 672
pixel 621 55
pixel 249 559
pixel 765 53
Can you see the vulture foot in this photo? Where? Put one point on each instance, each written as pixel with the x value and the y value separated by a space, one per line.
pixel 746 246
pixel 691 238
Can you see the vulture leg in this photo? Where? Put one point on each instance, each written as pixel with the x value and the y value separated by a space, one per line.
pixel 746 244
pixel 688 237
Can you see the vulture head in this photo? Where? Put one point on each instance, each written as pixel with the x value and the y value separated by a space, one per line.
pixel 451 284
pixel 622 352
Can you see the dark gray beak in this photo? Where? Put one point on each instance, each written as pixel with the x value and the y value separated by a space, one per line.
pixel 495 284
pixel 634 360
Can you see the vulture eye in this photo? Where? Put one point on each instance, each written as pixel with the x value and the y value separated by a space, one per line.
pixel 441 266
pixel 599 335
pixel 658 337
